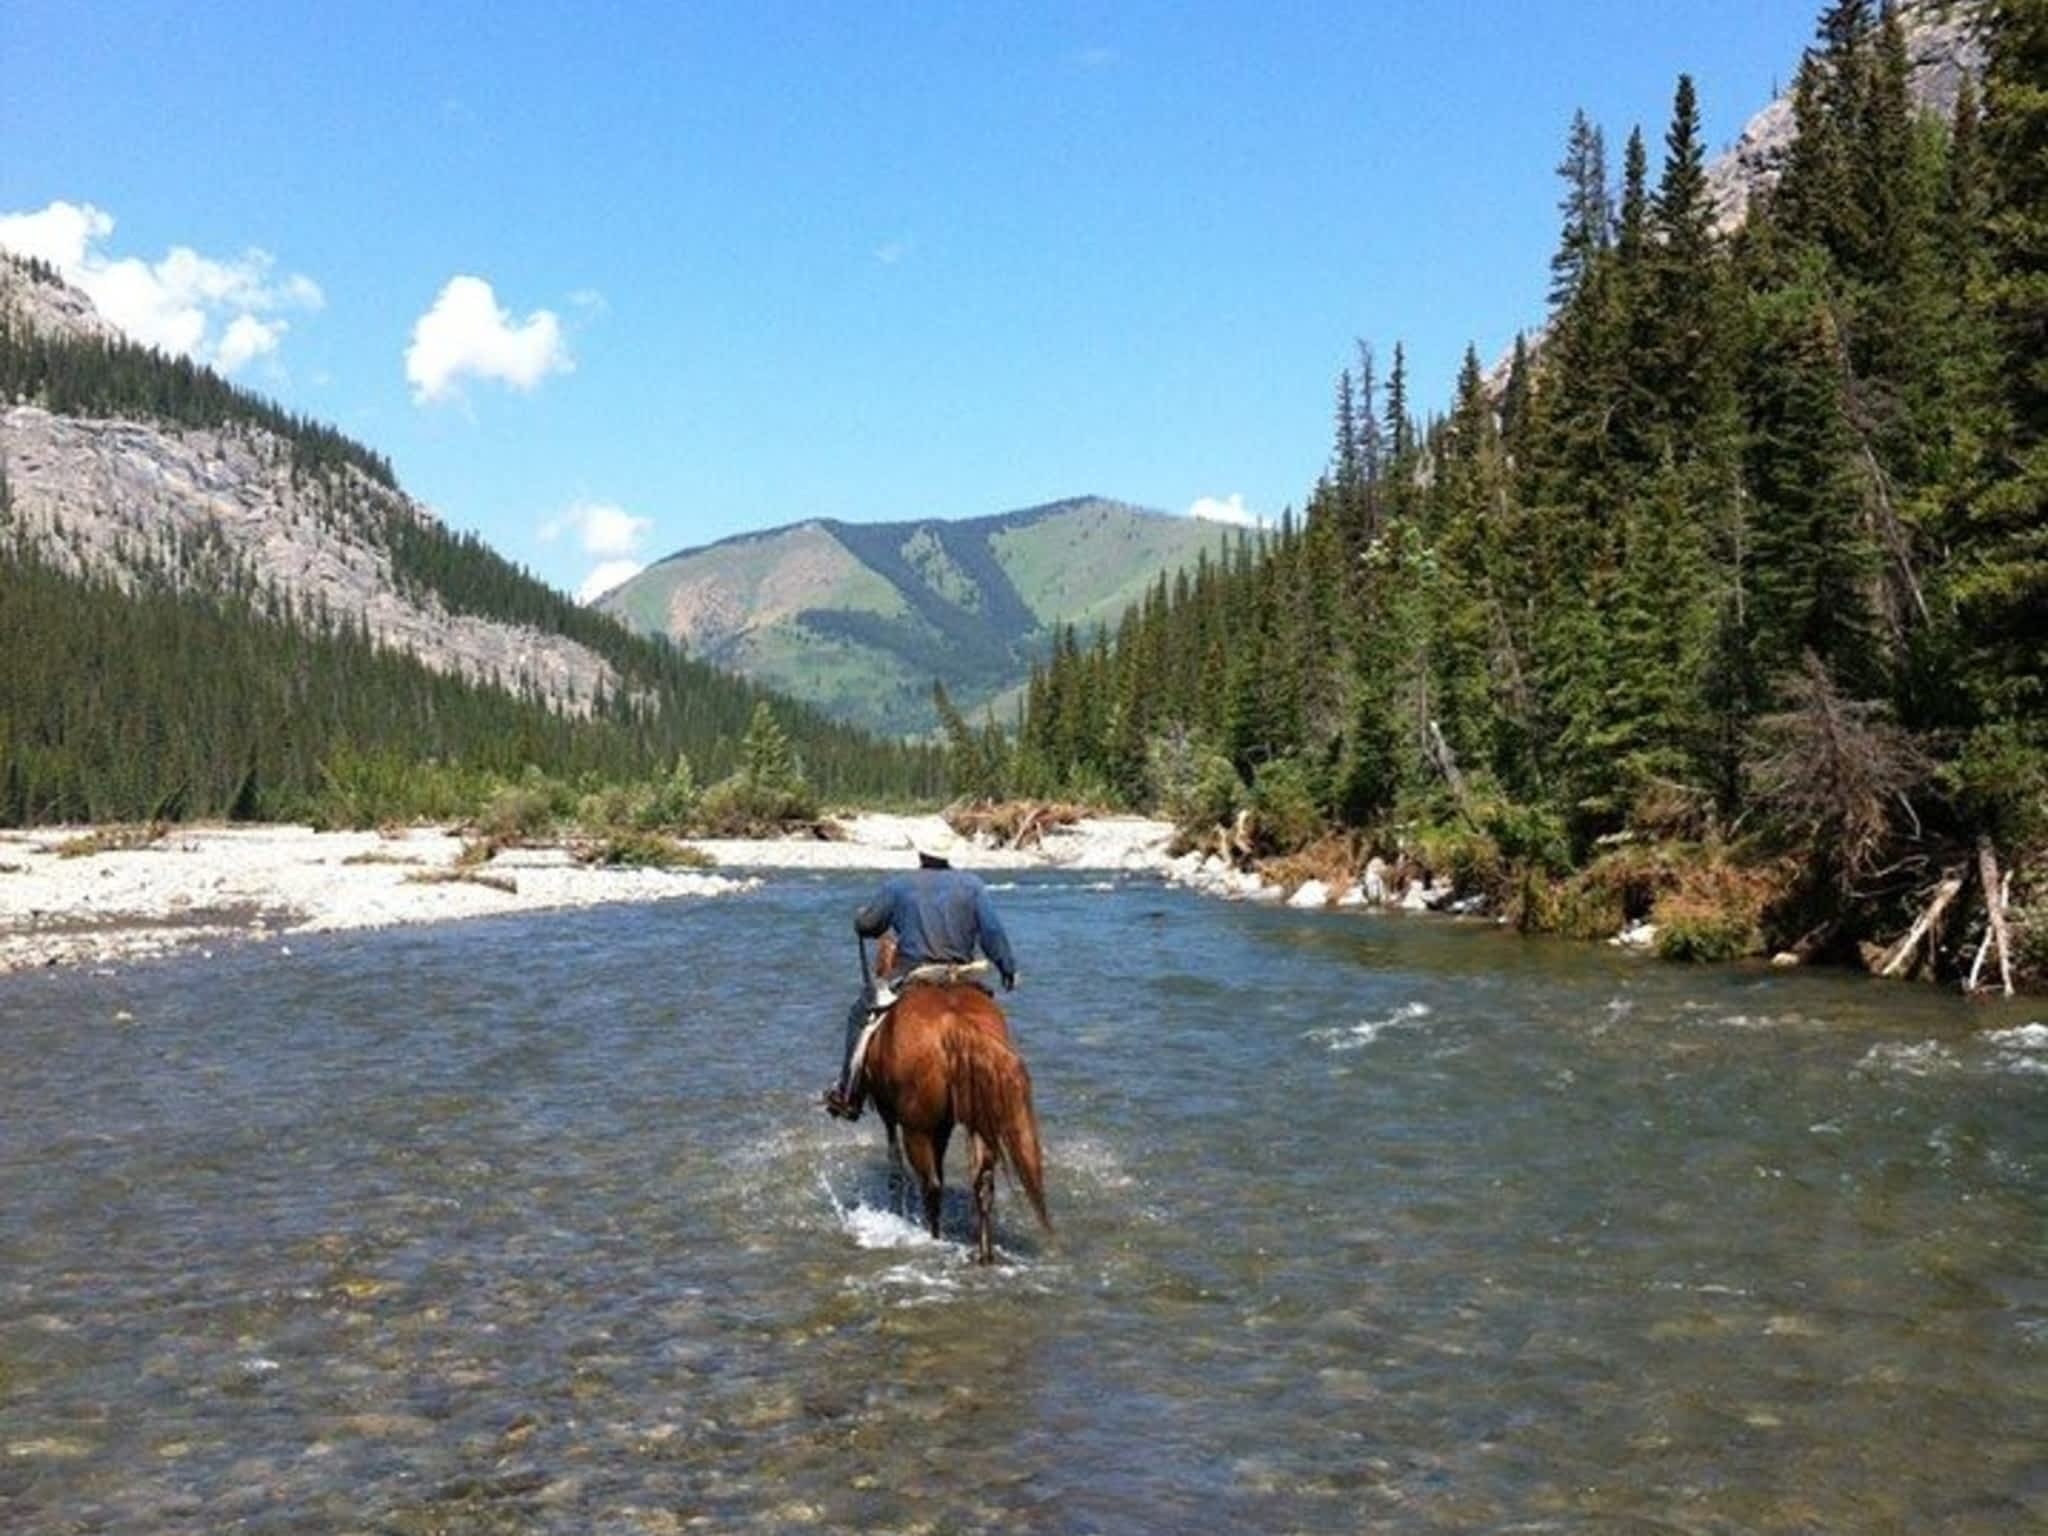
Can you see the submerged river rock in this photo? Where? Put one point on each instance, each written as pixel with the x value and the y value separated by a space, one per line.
pixel 530 1224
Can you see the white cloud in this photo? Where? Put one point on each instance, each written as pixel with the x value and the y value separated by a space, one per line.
pixel 247 337
pixel 1226 509
pixel 467 332
pixel 890 252
pixel 605 576
pixel 1095 58
pixel 608 531
pixel 601 528
pixel 201 306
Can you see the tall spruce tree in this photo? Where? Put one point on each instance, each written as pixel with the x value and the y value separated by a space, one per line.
pixel 1586 208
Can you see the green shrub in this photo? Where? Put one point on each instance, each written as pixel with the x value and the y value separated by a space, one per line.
pixel 2001 783
pixel 1529 834
pixel 515 812
pixel 1285 813
pixel 374 789
pixel 766 796
pixel 1587 909
pixel 1191 783
pixel 738 807
pixel 2028 928
pixel 1703 933
pixel 673 801
pixel 616 807
pixel 643 850
pixel 1471 860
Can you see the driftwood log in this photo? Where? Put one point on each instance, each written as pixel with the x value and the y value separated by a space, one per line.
pixel 1996 890
pixel 1926 926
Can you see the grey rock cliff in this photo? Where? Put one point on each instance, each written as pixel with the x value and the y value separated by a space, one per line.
pixel 1942 42
pixel 222 509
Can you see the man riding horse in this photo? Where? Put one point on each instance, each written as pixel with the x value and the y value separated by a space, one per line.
pixel 940 916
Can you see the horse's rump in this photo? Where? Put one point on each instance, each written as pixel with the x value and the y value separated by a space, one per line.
pixel 991 1090
pixel 988 1087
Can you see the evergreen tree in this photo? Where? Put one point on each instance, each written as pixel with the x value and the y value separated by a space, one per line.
pixel 1814 566
pixel 2000 562
pixel 1587 213
pixel 1680 358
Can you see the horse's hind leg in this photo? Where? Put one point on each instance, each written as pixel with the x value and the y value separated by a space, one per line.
pixel 924 1157
pixel 896 1189
pixel 984 1202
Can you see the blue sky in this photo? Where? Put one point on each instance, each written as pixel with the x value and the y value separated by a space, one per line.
pixel 734 265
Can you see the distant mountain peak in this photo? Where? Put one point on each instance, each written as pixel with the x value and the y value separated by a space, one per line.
pixel 860 618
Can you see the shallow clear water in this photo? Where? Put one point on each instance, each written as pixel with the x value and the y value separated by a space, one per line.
pixel 1365 1223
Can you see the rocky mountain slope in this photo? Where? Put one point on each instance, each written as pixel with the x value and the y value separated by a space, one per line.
pixel 859 619
pixel 230 506
pixel 1945 50
pixel 1942 42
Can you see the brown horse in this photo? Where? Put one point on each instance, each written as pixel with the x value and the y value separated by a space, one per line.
pixel 944 1059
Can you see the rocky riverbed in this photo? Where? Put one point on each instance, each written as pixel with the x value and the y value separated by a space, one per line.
pixel 202 887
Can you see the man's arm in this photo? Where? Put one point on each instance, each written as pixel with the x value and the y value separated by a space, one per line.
pixel 876 918
pixel 994 942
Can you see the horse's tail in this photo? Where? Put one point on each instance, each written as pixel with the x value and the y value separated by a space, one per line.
pixel 991 1090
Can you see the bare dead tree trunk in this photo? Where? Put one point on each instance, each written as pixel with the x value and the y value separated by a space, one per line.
pixel 1994 906
pixel 1889 527
pixel 1925 927
pixel 1984 944
pixel 1510 657
pixel 1446 763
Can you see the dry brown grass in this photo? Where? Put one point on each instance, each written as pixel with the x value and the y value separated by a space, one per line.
pixel 641 850
pixel 456 875
pixel 117 839
pixel 478 851
pixel 1711 903
pixel 1716 911
pixel 1013 823
pixel 1333 859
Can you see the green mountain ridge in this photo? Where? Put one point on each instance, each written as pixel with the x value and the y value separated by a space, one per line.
pixel 859 619
pixel 210 606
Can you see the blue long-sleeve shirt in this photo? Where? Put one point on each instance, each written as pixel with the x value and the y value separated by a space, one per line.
pixel 939 916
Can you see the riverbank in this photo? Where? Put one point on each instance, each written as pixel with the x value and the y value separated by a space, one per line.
pixel 69 898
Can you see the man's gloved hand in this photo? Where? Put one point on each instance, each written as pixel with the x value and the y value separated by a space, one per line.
pixel 1009 981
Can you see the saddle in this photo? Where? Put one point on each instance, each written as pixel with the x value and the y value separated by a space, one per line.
pixel 976 973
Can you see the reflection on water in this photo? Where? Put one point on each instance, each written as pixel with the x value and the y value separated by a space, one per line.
pixel 1364 1224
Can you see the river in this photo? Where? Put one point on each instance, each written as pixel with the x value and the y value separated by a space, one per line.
pixel 1364 1223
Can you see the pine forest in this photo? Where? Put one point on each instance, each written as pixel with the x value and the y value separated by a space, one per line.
pixel 1728 593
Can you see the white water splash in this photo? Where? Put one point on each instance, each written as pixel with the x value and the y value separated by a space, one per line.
pixel 871 1226
pixel 1357 1036
pixel 1084 1160
pixel 2021 1050
pixel 2025 1037
pixel 1921 1060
